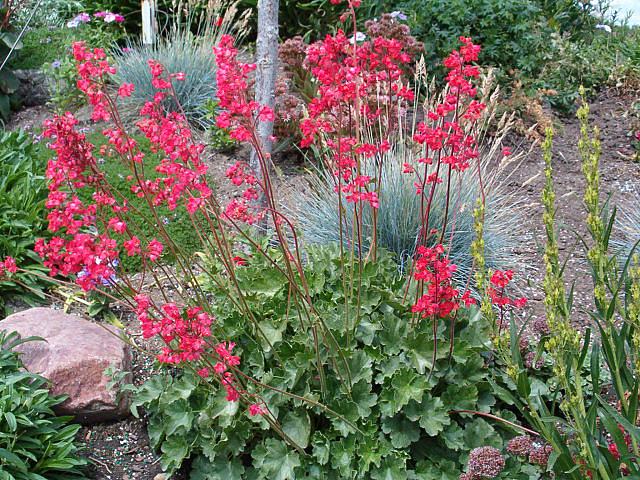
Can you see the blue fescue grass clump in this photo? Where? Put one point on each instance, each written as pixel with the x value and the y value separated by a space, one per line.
pixel 626 240
pixel 179 52
pixel 399 213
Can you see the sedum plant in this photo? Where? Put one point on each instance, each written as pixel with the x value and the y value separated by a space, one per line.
pixel 34 442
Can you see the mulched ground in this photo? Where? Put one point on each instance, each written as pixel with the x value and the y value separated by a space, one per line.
pixel 121 451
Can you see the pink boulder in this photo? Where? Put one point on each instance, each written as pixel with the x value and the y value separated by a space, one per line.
pixel 73 358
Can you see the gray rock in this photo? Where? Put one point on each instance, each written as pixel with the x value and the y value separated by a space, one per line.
pixel 73 358
pixel 33 89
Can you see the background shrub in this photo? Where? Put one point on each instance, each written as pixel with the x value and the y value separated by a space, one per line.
pixel 34 442
pixel 22 216
pixel 513 33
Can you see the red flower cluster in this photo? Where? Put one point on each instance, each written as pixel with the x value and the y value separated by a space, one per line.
pixel 239 208
pixel 433 268
pixel 183 330
pixel 79 249
pixel 240 113
pixel 356 84
pixel 443 133
pixel 499 281
pixel 8 265
pixel 93 72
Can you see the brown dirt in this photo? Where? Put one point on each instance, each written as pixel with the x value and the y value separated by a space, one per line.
pixel 619 178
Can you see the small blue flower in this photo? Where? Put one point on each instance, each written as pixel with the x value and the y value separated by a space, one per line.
pixel 56 64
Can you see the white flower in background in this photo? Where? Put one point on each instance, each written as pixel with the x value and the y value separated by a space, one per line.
pixel 398 15
pixel 73 23
pixel 358 37
pixel 606 28
pixel 110 17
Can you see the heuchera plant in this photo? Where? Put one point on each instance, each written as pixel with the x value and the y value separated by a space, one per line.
pixel 362 97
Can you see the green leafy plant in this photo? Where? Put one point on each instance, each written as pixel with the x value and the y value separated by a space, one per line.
pixel 402 417
pixel 22 216
pixel 64 94
pixel 218 138
pixel 46 44
pixel 34 442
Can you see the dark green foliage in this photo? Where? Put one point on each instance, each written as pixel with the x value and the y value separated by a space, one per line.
pixel 22 216
pixel 42 45
pixel 34 443
pixel 397 419
pixel 46 44
pixel 513 33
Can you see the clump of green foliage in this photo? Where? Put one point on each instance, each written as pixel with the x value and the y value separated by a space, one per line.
pixel 512 33
pixel 34 442
pixel 47 44
pixel 218 138
pixel 22 217
pixel 398 415
pixel 42 45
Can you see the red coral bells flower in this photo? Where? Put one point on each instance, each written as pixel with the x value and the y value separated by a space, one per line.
pixel 125 90
pixel 10 265
pixel 240 113
pixel 435 271
pixel 499 281
pixel 94 71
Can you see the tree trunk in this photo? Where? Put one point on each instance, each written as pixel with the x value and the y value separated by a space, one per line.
pixel 266 70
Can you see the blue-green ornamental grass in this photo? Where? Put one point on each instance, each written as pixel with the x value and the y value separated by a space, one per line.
pixel 180 52
pixel 399 217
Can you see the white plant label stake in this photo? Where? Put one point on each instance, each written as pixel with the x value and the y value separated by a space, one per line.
pixel 148 22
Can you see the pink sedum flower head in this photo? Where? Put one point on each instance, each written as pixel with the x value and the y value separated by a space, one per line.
pixel 485 462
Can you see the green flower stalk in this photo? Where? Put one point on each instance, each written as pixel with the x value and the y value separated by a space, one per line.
pixel 564 341
pixel 590 150
pixel 478 255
